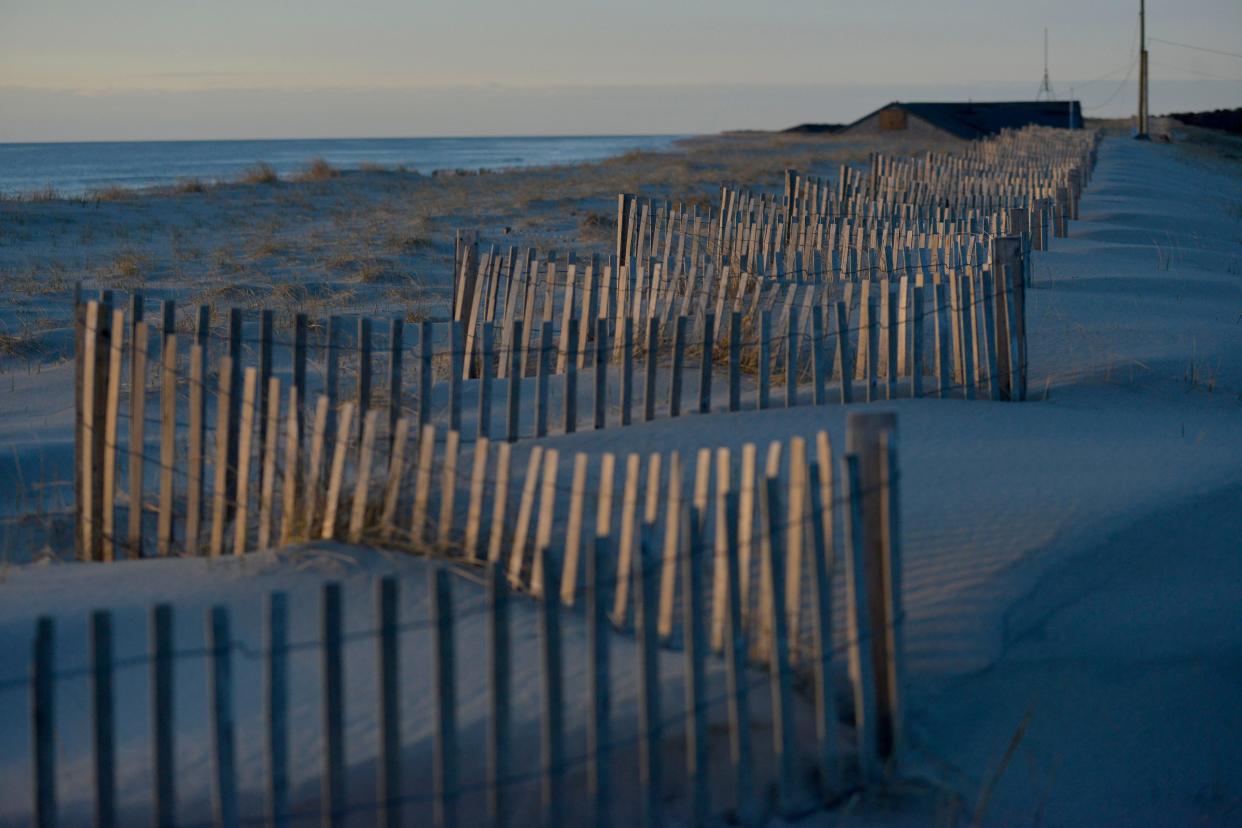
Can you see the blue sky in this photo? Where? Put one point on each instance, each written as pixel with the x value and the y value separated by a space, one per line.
pixel 132 69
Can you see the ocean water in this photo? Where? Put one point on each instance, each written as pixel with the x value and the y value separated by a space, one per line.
pixel 78 168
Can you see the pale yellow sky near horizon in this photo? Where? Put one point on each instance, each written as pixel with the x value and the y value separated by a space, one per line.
pixel 163 68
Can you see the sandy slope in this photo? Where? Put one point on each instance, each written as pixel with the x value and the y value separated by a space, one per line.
pixel 1075 555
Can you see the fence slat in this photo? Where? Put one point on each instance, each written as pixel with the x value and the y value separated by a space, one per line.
pixel 448 490
pixel 474 511
pixel 672 548
pixel 396 472
pixel 110 435
pixel 366 452
pixel 857 622
pixel 500 504
pixel 573 530
pixel 526 506
pixel 789 796
pixel 627 541
pixel 245 451
pixel 293 466
pixel 267 493
pixel 196 449
pixel 828 756
pixel 219 512
pixel 422 484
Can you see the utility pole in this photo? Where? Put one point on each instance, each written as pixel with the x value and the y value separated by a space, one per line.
pixel 1142 101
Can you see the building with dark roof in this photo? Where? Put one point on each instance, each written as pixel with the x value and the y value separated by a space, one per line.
pixel 968 120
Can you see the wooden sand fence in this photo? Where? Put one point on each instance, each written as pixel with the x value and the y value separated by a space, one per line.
pixel 739 573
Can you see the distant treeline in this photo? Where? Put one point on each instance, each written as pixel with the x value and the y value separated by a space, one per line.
pixel 1230 120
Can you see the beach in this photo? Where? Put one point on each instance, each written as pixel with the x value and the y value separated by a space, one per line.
pixel 1070 596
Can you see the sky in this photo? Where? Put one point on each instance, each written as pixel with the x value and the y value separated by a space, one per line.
pixel 179 69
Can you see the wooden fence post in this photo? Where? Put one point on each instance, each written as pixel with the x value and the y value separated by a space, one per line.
pixel 366 450
pixel 444 762
pixel 163 725
pixel 821 593
pixel 858 623
pixel 293 467
pixel 866 436
pixel 219 512
pixel 245 451
pixel 196 449
pixel 790 799
pixel 92 422
pixel 336 476
pixel 267 493
pixel 111 441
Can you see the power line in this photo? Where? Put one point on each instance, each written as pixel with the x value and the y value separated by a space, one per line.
pixel 1196 48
